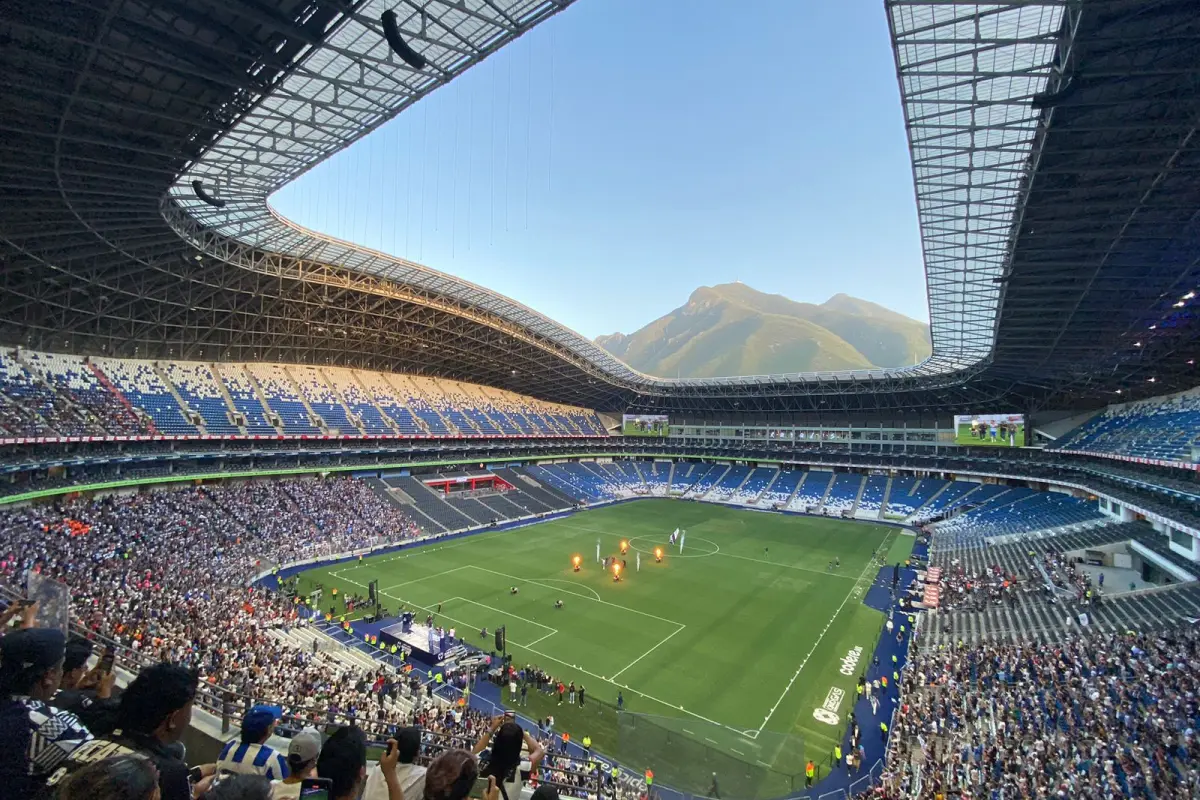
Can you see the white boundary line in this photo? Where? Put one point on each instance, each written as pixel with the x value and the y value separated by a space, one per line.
pixel 507 614
pixel 424 578
pixel 537 582
pixel 870 564
pixel 596 595
pixel 648 652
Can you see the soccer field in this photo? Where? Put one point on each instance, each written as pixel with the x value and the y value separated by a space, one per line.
pixel 731 644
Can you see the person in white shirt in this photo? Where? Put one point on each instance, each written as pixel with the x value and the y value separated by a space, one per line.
pixel 410 776
pixel 302 763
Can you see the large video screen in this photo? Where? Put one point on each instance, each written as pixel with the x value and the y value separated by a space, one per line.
pixel 992 430
pixel 644 425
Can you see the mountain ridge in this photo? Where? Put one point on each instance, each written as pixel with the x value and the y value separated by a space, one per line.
pixel 733 329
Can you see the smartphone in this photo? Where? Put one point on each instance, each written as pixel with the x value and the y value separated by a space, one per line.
pixel 479 788
pixel 195 775
pixel 108 659
pixel 316 789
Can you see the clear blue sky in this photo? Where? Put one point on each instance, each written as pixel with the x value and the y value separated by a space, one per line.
pixel 608 163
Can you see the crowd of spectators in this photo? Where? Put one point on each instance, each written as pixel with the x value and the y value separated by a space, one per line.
pixel 1094 716
pixel 165 574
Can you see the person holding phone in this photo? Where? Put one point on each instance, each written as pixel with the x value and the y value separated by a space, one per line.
pixel 514 756
pixel 88 693
pixel 302 754
pixel 409 774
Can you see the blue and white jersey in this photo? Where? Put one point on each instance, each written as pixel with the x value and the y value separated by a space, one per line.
pixel 252 759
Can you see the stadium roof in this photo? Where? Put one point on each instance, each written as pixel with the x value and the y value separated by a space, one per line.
pixel 1053 157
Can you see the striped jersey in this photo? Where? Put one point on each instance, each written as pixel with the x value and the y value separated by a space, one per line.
pixel 252 759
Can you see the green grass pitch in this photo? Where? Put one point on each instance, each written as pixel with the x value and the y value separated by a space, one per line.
pixel 735 641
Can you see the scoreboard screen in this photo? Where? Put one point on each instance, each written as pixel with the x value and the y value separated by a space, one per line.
pixel 644 425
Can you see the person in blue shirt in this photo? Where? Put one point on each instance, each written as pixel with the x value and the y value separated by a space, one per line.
pixel 250 754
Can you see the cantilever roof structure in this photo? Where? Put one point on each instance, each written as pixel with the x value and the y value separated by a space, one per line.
pixel 1030 121
pixel 966 79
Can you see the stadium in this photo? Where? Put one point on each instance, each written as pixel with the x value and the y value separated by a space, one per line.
pixel 346 491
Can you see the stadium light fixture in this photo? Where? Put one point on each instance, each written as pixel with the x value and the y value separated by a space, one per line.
pixel 1189 295
pixel 1180 304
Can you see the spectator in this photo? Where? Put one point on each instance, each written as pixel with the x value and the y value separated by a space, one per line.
pixel 301 761
pixel 154 712
pixel 411 776
pixel 452 775
pixel 86 693
pixel 251 755
pixel 343 760
pixel 127 777
pixel 506 761
pixel 35 737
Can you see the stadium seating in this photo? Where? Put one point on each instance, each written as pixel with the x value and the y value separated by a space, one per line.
pixel 47 394
pixel 195 385
pixel 781 490
pixel 754 485
pixel 1016 510
pixel 812 491
pixel 707 480
pixel 842 493
pixel 1162 429
pixel 872 496
pixel 245 400
pixel 684 475
pixel 141 384
pixel 909 494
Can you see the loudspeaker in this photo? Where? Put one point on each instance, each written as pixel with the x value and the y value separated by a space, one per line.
pixel 391 31
pixel 500 639
pixel 198 188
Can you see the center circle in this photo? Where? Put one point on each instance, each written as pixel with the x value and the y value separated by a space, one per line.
pixel 667 549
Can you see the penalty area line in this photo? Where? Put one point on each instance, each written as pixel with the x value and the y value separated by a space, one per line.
pixel 651 650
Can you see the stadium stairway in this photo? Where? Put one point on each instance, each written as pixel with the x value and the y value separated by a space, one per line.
pixel 373 401
pixel 549 498
pixel 230 406
pixel 321 423
pixel 933 499
pixel 137 417
pixel 758 497
pixel 430 505
pixel 887 496
pixel 189 413
pixel 825 497
pixel 862 487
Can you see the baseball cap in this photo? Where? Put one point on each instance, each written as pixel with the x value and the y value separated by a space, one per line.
pixel 78 651
pixel 304 747
pixel 260 717
pixel 31 650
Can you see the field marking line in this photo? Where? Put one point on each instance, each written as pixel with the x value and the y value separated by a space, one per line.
pixel 535 641
pixel 648 652
pixel 537 582
pixel 635 691
pixel 820 638
pixel 425 578
pixel 469 626
pixel 568 583
pixel 826 573
pixel 506 613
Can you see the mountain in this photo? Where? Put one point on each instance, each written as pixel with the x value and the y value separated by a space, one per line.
pixel 733 329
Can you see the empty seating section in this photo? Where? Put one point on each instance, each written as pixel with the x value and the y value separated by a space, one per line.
pixel 781 490
pixel 657 476
pixel 430 505
pixel 141 386
pixel 728 484
pixel 542 496
pixel 390 401
pixel 415 391
pixel 194 384
pixel 1016 510
pixel 938 503
pixel 47 394
pixel 322 399
pixel 707 480
pixel 753 486
pixel 355 399
pixel 684 476
pixel 245 399
pixel 280 393
pixel 811 491
pixel 909 494
pixel 872 496
pixel 1161 429
pixel 842 493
